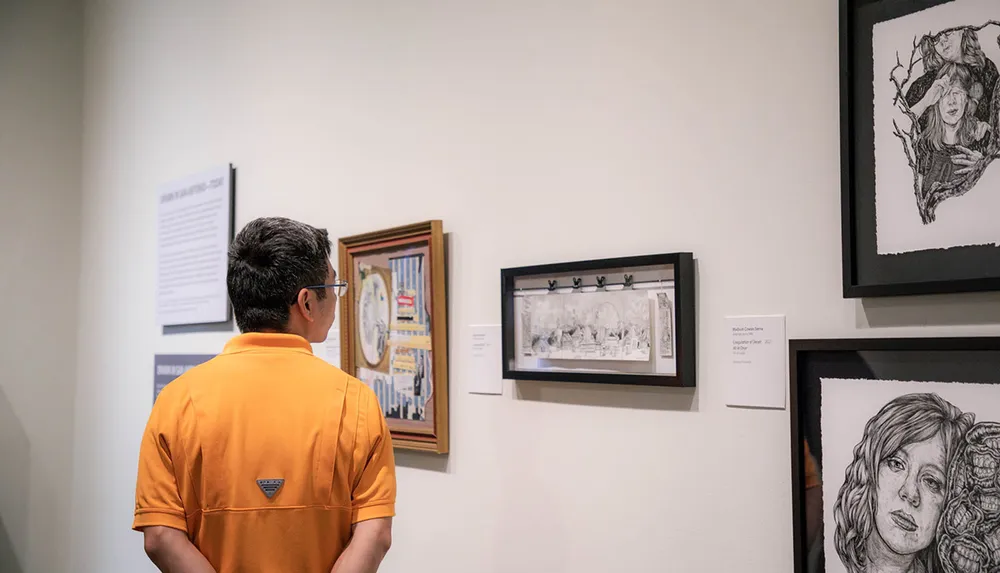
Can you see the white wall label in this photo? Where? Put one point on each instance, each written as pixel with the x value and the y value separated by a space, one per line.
pixel 755 374
pixel 193 231
pixel 485 372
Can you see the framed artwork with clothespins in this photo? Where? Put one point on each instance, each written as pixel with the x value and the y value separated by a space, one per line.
pixel 624 320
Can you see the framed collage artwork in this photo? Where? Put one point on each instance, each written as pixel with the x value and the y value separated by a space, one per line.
pixel 394 328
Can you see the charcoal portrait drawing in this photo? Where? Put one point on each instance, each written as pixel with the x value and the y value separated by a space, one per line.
pixel 911 476
pixel 937 131
pixel 887 511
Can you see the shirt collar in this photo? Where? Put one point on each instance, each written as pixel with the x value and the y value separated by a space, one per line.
pixel 267 341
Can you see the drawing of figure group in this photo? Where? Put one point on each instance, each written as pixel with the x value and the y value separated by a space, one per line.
pixel 593 326
pixel 584 338
pixel 953 102
pixel 922 494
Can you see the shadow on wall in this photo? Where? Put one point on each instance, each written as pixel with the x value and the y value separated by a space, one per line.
pixel 422 461
pixel 15 465
pixel 936 310
pixel 610 395
pixel 8 557
pixel 228 326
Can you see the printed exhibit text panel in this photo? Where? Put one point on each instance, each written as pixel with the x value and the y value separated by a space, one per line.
pixel 194 227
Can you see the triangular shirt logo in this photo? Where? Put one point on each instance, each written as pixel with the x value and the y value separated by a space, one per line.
pixel 270 486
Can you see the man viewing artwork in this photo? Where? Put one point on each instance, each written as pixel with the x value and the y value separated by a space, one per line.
pixel 267 458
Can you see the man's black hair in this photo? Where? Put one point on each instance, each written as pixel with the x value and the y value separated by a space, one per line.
pixel 270 261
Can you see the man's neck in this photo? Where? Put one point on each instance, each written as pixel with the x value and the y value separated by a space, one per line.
pixel 285 331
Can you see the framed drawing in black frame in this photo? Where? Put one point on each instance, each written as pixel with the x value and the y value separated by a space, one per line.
pixel 919 139
pixel 895 454
pixel 627 320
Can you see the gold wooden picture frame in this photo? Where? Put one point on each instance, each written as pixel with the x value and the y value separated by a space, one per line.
pixel 394 328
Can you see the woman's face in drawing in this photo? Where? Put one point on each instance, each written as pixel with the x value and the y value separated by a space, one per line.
pixel 910 496
pixel 952 105
pixel 949 46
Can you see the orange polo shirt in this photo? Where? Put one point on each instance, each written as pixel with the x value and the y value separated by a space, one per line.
pixel 265 409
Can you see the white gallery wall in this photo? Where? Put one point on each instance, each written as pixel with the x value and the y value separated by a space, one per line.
pixel 539 131
pixel 41 60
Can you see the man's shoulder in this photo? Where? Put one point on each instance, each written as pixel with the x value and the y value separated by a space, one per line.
pixel 357 387
pixel 361 399
pixel 307 368
pixel 325 372
pixel 225 364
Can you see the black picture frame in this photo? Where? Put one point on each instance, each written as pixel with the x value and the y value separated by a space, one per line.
pixel 865 272
pixel 684 317
pixel 960 360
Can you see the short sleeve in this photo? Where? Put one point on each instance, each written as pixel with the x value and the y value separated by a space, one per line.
pixel 811 471
pixel 157 497
pixel 374 493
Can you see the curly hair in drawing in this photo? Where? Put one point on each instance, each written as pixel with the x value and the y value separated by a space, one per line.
pixel 888 508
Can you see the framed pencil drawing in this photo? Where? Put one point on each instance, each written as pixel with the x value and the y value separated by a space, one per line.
pixel 394 328
pixel 920 136
pixel 895 454
pixel 627 320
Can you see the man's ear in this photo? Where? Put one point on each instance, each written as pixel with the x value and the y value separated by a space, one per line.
pixel 304 304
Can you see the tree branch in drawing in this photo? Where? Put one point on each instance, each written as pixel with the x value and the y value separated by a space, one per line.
pixel 914 60
pixel 909 137
pixel 973 28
